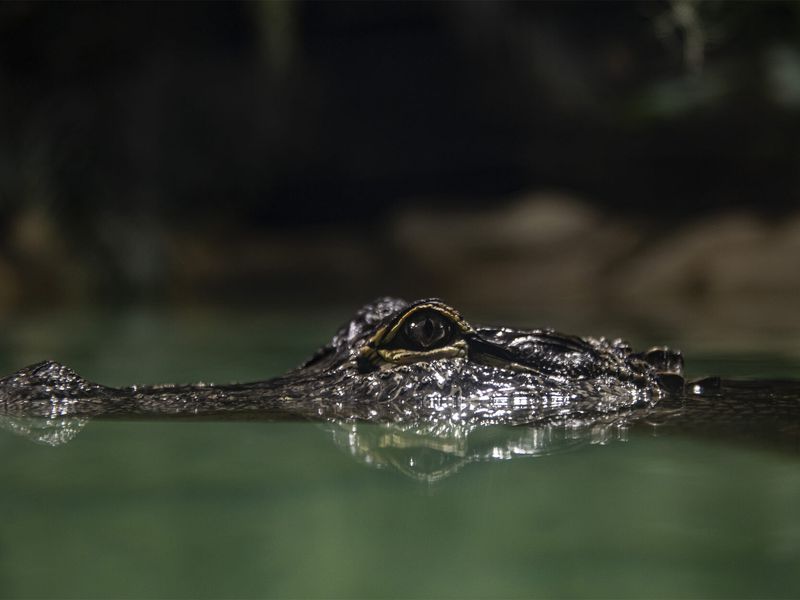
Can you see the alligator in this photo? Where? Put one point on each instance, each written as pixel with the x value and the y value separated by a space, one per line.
pixel 421 367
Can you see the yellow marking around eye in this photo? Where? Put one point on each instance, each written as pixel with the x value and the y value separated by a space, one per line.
pixel 369 353
pixel 368 350
pixel 440 308
pixel 372 352
pixel 404 357
pixel 377 337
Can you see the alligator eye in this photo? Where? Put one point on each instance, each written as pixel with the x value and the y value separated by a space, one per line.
pixel 426 330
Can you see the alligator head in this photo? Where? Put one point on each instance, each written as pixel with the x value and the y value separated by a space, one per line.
pixel 410 385
pixel 417 363
pixel 399 361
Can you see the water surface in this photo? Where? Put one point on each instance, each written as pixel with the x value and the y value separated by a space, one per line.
pixel 206 509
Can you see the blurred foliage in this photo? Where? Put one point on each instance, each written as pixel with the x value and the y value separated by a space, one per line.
pixel 123 126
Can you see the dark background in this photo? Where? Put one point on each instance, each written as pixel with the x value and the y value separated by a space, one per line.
pixel 204 191
pixel 536 154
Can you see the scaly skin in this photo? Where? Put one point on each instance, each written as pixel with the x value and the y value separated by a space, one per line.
pixel 391 402
pixel 505 376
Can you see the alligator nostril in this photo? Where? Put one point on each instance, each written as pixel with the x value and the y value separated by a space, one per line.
pixel 664 360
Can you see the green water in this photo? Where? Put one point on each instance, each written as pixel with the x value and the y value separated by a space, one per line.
pixel 194 509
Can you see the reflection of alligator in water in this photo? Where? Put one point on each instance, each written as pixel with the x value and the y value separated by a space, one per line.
pixel 421 368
